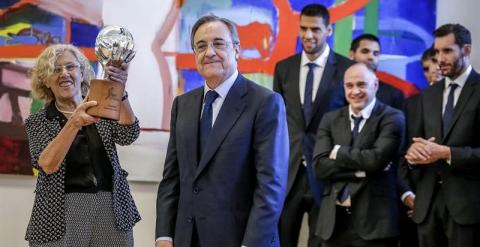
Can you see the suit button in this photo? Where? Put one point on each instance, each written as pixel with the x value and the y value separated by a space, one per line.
pixel 190 219
pixel 196 190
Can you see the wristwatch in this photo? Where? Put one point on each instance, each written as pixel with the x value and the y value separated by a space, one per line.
pixel 125 96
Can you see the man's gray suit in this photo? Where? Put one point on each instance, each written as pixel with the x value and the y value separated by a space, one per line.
pixel 374 197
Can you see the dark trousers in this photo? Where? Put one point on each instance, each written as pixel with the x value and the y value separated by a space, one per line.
pixel 345 234
pixel 195 240
pixel 298 202
pixel 440 230
pixel 408 229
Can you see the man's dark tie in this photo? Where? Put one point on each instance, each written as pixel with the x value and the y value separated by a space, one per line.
pixel 344 193
pixel 307 99
pixel 206 120
pixel 448 113
pixel 356 127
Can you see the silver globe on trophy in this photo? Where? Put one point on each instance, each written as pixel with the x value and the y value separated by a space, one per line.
pixel 114 45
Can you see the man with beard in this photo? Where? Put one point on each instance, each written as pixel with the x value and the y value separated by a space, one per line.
pixel 447 150
pixel 311 84
pixel 366 49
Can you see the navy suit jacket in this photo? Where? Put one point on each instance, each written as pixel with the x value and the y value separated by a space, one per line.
pixel 330 96
pixel 234 193
pixel 374 197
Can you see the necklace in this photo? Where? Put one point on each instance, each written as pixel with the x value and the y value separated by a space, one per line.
pixel 64 112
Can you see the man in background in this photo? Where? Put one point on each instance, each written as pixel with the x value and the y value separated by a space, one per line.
pixel 446 149
pixel 354 154
pixel 366 49
pixel 430 67
pixel 311 84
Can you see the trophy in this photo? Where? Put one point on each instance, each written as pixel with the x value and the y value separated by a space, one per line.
pixel 113 46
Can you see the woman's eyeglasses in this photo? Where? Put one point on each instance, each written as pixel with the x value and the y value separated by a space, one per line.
pixel 70 67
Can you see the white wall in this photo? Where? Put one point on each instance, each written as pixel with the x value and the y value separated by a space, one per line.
pixel 463 12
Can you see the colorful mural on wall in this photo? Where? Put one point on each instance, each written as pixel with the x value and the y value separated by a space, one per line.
pixel 165 65
pixel 26 28
pixel 268 32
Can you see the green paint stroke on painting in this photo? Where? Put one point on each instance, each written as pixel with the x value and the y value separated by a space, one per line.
pixel 371 18
pixel 261 79
pixel 343 33
pixel 37 105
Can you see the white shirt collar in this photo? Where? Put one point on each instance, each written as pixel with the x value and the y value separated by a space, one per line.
pixel 224 87
pixel 320 61
pixel 461 80
pixel 365 113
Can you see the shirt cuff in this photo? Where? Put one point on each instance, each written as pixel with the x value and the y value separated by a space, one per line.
pixel 164 239
pixel 360 174
pixel 333 153
pixel 406 194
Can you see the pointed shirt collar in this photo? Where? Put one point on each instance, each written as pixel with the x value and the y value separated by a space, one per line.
pixel 320 61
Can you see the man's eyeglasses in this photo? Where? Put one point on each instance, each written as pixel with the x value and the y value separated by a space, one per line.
pixel 69 67
pixel 218 45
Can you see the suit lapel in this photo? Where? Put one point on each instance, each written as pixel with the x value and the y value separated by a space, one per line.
pixel 230 111
pixel 342 126
pixel 345 128
pixel 467 91
pixel 292 92
pixel 369 123
pixel 191 120
pixel 325 82
pixel 433 110
pixel 367 128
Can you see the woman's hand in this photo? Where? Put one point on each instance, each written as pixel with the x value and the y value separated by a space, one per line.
pixel 80 117
pixel 52 156
pixel 118 74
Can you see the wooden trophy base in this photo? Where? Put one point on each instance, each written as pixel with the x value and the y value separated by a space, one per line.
pixel 108 95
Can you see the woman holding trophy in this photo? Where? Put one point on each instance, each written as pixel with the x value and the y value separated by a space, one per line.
pixel 82 194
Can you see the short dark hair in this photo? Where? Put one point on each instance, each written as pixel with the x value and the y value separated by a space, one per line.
pixel 316 10
pixel 428 54
pixel 462 35
pixel 232 27
pixel 366 36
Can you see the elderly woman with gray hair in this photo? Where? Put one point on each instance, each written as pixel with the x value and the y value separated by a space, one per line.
pixel 82 194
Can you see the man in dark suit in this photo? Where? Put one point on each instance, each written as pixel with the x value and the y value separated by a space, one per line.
pixel 366 49
pixel 311 83
pixel 446 152
pixel 354 151
pixel 226 167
